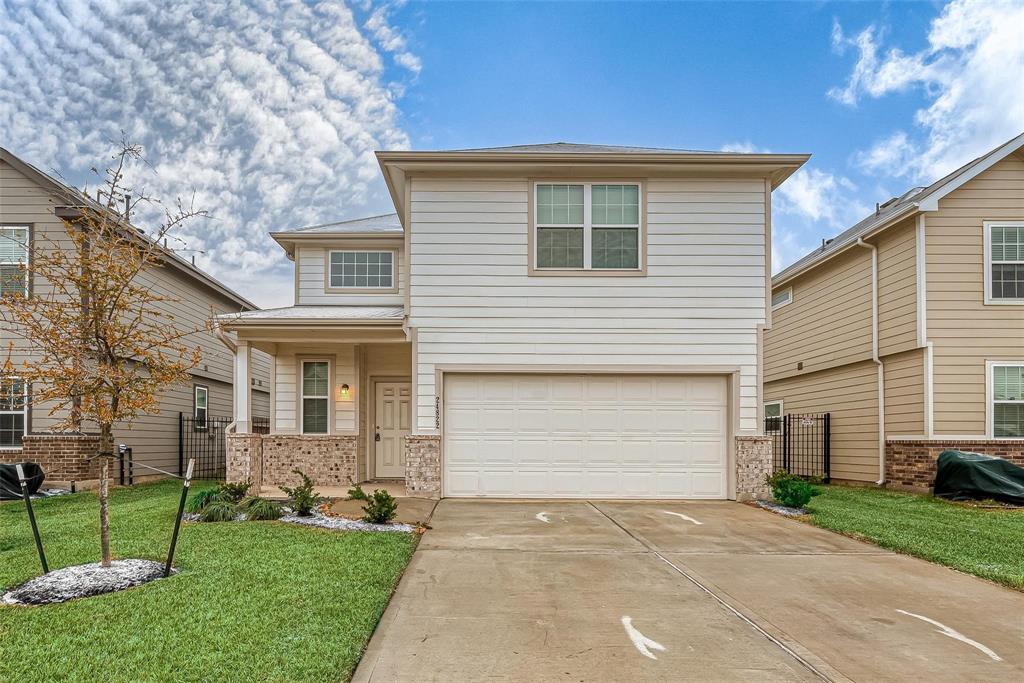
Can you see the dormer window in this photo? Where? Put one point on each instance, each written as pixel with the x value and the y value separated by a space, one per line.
pixel 361 270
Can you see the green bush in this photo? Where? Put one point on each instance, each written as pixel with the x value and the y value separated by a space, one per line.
pixel 200 499
pixel 380 507
pixel 219 510
pixel 301 497
pixel 790 490
pixel 235 492
pixel 257 508
pixel 357 493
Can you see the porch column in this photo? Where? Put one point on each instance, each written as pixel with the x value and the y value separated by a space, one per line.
pixel 243 388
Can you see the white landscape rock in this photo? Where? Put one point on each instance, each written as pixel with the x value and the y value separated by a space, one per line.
pixel 82 581
pixel 343 524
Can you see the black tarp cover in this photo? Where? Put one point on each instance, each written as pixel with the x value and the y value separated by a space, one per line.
pixel 961 475
pixel 10 487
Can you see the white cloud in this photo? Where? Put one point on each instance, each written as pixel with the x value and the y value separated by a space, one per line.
pixel 270 111
pixel 971 74
pixel 819 196
pixel 744 147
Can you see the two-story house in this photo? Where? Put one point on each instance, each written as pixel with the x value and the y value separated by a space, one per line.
pixel 908 328
pixel 551 320
pixel 32 204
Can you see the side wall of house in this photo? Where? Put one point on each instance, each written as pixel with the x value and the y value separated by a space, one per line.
pixel 964 330
pixel 699 304
pixel 310 269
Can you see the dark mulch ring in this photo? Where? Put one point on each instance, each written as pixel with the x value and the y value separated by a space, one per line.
pixel 83 581
pixel 781 509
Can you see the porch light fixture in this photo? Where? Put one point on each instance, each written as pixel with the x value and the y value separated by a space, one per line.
pixel 344 392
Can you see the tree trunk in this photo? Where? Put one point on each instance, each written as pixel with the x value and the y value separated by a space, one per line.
pixel 106 453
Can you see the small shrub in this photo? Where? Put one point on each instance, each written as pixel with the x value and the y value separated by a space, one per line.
pixel 790 490
pixel 357 493
pixel 219 510
pixel 257 508
pixel 200 499
pixel 380 507
pixel 301 497
pixel 234 492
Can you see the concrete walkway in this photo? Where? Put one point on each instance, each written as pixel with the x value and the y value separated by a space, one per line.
pixel 641 591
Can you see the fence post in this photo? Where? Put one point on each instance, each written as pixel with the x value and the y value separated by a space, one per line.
pixel 181 444
pixel 828 448
pixel 785 442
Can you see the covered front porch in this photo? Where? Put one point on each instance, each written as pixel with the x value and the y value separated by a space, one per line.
pixel 340 394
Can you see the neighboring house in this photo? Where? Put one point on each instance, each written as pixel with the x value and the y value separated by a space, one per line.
pixel 538 321
pixel 909 327
pixel 30 202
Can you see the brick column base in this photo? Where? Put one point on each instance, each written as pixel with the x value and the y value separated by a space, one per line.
pixel 423 466
pixel 327 459
pixel 753 465
pixel 911 464
pixel 245 459
pixel 63 457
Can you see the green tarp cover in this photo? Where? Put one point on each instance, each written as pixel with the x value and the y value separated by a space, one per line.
pixel 961 475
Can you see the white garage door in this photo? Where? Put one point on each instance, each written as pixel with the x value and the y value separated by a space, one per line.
pixel 576 436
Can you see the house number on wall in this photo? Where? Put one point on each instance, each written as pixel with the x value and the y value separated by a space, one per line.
pixel 437 412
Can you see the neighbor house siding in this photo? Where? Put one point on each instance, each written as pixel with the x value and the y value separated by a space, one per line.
pixel 966 332
pixel 310 264
pixel 897 288
pixel 904 393
pixel 828 322
pixel 850 394
pixel 473 302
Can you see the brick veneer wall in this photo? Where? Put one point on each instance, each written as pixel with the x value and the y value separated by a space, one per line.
pixel 63 457
pixel 753 465
pixel 911 464
pixel 423 466
pixel 328 459
pixel 245 459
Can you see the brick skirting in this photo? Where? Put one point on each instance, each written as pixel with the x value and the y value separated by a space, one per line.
pixel 753 465
pixel 911 464
pixel 63 457
pixel 423 466
pixel 245 459
pixel 268 460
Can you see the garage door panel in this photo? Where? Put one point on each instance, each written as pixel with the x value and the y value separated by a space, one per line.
pixel 599 436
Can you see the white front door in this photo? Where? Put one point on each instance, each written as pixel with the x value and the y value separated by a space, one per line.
pixel 392 415
pixel 586 436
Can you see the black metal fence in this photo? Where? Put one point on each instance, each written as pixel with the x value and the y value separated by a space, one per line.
pixel 802 444
pixel 203 439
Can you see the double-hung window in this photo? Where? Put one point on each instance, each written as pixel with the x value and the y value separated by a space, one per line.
pixel 1008 401
pixel 13 260
pixel 200 406
pixel 316 396
pixel 13 407
pixel 361 270
pixel 1004 267
pixel 587 226
pixel 773 416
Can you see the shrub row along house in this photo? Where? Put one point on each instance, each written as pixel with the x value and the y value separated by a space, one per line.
pixel 909 327
pixel 551 320
pixel 32 205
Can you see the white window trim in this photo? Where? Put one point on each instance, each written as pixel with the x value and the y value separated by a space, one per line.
pixel 300 391
pixel 196 388
pixel 23 412
pixel 990 400
pixel 28 251
pixel 788 301
pixel 987 228
pixel 588 227
pixel 391 289
pixel 782 408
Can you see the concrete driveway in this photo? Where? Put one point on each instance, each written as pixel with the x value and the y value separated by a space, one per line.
pixel 613 591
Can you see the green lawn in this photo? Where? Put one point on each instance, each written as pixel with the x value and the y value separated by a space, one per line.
pixel 255 600
pixel 985 542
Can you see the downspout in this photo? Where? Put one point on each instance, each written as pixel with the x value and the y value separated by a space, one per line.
pixel 876 359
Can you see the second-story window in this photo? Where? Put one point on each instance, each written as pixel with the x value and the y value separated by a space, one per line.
pixel 587 226
pixel 1004 244
pixel 361 270
pixel 13 259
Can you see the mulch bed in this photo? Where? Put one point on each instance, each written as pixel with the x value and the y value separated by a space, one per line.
pixel 781 509
pixel 83 581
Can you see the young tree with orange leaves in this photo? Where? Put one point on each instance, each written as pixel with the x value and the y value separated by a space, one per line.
pixel 100 346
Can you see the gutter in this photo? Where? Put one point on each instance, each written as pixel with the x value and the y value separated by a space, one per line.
pixel 876 359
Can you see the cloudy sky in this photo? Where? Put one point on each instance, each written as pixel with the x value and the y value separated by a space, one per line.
pixel 270 111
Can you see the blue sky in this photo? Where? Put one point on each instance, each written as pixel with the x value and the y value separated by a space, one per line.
pixel 271 111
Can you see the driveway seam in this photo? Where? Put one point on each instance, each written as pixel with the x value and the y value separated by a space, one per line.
pixel 788 649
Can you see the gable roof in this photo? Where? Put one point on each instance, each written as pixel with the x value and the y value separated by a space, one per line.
pixel 578 148
pixel 387 223
pixel 911 202
pixel 82 201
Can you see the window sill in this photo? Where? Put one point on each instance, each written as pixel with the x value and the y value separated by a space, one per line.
pixel 1004 302
pixel 583 272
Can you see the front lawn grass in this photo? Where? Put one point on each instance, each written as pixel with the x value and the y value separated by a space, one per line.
pixel 263 601
pixel 985 542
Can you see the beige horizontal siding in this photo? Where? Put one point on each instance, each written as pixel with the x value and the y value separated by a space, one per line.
pixel 850 394
pixel 965 332
pixel 904 393
pixel 897 288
